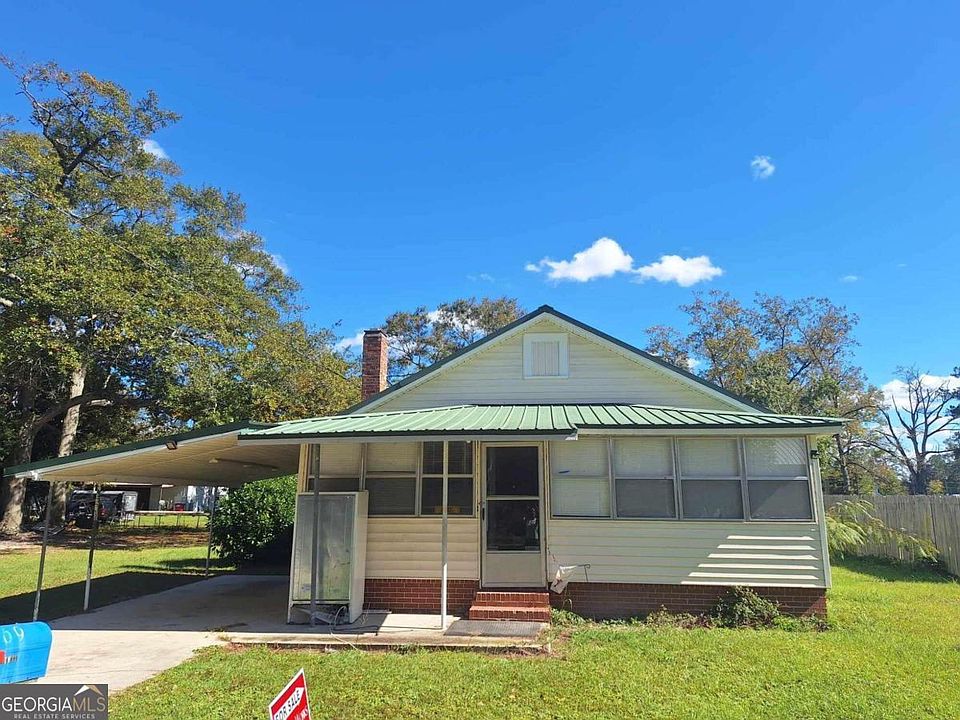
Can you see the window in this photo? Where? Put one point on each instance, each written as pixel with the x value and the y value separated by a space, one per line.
pixel 777 482
pixel 580 478
pixel 334 467
pixel 391 478
pixel 720 478
pixel 710 483
pixel 545 355
pixel 459 479
pixel 644 478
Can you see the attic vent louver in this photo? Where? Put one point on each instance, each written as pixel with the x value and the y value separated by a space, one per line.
pixel 545 355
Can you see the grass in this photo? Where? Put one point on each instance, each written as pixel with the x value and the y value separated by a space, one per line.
pixel 138 567
pixel 893 651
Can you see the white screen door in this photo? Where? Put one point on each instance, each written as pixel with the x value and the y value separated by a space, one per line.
pixel 512 516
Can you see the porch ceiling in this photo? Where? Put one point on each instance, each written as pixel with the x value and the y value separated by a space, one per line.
pixel 211 456
pixel 527 420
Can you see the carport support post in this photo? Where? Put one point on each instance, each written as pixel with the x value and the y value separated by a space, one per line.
pixel 93 545
pixel 443 539
pixel 213 511
pixel 43 548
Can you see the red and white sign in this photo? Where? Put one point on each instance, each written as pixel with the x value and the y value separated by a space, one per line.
pixel 291 703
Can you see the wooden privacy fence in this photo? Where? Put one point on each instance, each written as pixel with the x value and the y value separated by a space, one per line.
pixel 933 517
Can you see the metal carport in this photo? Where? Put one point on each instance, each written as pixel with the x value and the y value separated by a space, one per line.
pixel 209 456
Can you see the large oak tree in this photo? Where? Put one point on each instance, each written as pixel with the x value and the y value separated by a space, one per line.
pixel 127 291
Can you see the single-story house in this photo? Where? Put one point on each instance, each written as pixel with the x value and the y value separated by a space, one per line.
pixel 564 453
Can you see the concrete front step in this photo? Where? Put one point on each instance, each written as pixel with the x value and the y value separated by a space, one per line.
pixel 510 612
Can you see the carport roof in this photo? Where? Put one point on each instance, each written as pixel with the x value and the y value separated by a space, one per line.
pixel 207 456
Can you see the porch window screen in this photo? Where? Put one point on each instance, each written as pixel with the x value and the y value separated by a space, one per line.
pixel 459 478
pixel 644 478
pixel 391 478
pixel 777 481
pixel 710 478
pixel 580 478
pixel 334 467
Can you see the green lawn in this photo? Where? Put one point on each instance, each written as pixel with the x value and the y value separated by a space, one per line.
pixel 893 652
pixel 118 574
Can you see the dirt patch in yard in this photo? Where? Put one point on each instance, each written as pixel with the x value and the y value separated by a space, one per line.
pixel 129 538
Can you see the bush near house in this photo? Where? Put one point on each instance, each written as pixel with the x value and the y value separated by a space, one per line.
pixel 254 522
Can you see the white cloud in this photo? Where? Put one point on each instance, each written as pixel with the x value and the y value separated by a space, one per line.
pixel 683 271
pixel 280 262
pixel 693 364
pixel 602 259
pixel 349 343
pixel 762 167
pixel 153 147
pixel 606 258
pixel 484 277
pixel 895 391
pixel 849 278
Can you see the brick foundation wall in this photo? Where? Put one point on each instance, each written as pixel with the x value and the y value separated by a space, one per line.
pixel 412 595
pixel 624 600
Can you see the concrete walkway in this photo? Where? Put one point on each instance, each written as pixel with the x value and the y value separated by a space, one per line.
pixel 128 642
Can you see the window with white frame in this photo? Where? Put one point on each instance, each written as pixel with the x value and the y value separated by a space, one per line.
pixel 334 467
pixel 711 478
pixel 459 479
pixel 545 355
pixel 391 478
pixel 580 478
pixel 715 475
pixel 644 478
pixel 777 482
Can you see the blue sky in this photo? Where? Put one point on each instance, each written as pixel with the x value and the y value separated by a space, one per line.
pixel 397 154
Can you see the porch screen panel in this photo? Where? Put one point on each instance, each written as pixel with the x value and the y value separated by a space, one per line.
pixel 777 480
pixel 335 467
pixel 710 478
pixel 580 478
pixel 391 478
pixel 460 499
pixel 644 478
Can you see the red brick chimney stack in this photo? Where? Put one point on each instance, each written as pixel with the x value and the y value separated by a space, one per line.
pixel 374 363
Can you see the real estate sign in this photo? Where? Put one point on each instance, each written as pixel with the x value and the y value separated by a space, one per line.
pixel 291 703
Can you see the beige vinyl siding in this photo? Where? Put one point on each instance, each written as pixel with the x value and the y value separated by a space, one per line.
pixel 699 553
pixel 597 374
pixel 410 548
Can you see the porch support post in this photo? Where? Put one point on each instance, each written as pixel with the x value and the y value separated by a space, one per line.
pixel 213 512
pixel 43 548
pixel 443 539
pixel 313 466
pixel 93 544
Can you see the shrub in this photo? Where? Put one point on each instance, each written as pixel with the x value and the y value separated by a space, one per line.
pixel 254 522
pixel 852 524
pixel 562 618
pixel 742 607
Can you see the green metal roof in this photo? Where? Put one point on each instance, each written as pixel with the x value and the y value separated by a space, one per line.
pixel 561 420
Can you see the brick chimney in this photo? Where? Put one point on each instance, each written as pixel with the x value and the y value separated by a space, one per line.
pixel 374 363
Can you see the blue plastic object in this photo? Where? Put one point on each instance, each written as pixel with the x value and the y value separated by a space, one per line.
pixel 24 651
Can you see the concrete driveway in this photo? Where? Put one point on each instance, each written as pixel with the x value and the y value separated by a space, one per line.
pixel 128 642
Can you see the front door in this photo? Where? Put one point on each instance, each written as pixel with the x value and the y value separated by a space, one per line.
pixel 512 507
